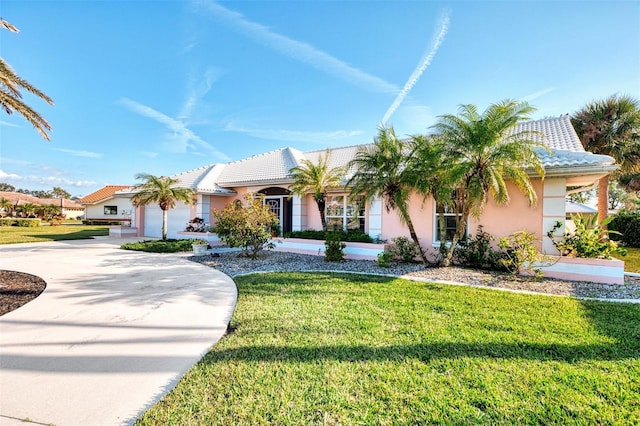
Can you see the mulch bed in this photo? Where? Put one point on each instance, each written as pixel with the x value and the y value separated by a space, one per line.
pixel 18 288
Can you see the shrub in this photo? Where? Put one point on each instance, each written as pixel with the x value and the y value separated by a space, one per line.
pixel 334 247
pixel 28 223
pixel 312 234
pixel 628 225
pixel 159 246
pixel 519 252
pixel 385 258
pixel 5 221
pixel 248 227
pixel 589 240
pixel 476 252
pixel 404 250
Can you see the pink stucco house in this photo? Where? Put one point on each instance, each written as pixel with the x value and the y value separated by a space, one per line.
pixel 566 165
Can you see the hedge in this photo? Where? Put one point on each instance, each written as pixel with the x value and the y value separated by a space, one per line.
pixel 28 223
pixel 628 225
pixel 312 234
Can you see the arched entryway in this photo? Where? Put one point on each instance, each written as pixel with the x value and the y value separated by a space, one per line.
pixel 280 204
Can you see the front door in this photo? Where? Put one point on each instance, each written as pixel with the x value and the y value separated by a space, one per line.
pixel 275 205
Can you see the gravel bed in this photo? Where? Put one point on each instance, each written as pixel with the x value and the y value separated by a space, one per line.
pixel 271 261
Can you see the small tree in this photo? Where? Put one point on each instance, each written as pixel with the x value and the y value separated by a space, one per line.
pixel 246 226
pixel 161 190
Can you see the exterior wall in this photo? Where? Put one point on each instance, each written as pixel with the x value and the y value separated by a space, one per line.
pixel 421 213
pixel 73 213
pixel 518 215
pixel 96 211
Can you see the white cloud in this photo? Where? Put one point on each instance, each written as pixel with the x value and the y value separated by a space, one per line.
pixel 297 50
pixel 295 135
pixel 76 153
pixel 198 88
pixel 180 138
pixel 16 179
pixel 537 94
pixel 6 123
pixel 422 66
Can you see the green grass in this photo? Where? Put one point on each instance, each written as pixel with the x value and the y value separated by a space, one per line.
pixel 159 246
pixel 16 234
pixel 342 349
pixel 631 260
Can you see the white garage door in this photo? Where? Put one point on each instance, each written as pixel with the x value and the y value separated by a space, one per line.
pixel 177 220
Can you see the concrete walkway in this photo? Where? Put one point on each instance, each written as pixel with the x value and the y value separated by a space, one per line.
pixel 111 334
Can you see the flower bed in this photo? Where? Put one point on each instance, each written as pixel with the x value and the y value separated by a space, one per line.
pixel 355 251
pixel 579 269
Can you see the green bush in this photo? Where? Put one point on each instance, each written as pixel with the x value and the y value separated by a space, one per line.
pixel 159 246
pixel 334 251
pixel 384 259
pixel 628 225
pixel 5 221
pixel 476 252
pixel 247 226
pixel 519 252
pixel 354 236
pixel 28 223
pixel 589 240
pixel 403 249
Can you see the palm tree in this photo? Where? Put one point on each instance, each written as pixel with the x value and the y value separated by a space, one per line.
pixel 380 171
pixel 486 152
pixel 317 179
pixel 433 173
pixel 27 209
pixel 161 190
pixel 11 97
pixel 611 127
pixel 6 207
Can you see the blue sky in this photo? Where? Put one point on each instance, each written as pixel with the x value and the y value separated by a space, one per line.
pixel 163 87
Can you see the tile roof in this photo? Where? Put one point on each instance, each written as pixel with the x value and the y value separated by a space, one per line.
pixel 18 198
pixel 566 152
pixel 270 166
pixel 102 194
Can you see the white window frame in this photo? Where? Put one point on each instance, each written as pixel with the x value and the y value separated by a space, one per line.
pixel 436 218
pixel 343 212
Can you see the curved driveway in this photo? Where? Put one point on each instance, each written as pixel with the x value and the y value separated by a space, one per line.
pixel 111 334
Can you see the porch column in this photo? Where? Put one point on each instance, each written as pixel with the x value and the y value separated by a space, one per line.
pixel 553 210
pixel 375 218
pixel 298 214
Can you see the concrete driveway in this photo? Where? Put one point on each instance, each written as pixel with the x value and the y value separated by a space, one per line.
pixel 112 333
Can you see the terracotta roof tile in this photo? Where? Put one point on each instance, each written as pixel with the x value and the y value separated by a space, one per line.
pixel 102 194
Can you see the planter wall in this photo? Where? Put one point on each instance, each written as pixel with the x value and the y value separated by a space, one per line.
pixel 122 231
pixel 354 251
pixel 209 237
pixel 594 270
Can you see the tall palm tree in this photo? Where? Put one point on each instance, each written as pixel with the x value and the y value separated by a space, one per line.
pixel 487 151
pixel 381 171
pixel 433 173
pixel 11 97
pixel 611 127
pixel 163 191
pixel 317 179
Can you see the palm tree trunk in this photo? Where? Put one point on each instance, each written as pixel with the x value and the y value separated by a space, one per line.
pixel 412 232
pixel 603 199
pixel 165 214
pixel 323 218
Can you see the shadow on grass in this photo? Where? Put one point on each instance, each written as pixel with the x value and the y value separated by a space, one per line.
pixel 427 352
pixel 618 321
pixel 78 235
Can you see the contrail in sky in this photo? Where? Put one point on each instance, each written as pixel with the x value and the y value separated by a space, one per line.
pixel 422 66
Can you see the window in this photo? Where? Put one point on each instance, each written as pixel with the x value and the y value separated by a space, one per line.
pixel 341 214
pixel 450 223
pixel 110 210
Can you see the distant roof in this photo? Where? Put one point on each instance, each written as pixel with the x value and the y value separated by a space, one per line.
pixel 572 207
pixel 18 199
pixel 102 194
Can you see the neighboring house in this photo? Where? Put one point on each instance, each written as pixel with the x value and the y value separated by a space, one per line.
pixel 103 207
pixel 70 209
pixel 566 165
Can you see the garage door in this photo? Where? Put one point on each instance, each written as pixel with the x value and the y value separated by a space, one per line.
pixel 177 220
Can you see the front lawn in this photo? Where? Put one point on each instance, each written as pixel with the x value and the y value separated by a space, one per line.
pixel 17 234
pixel 321 348
pixel 632 259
